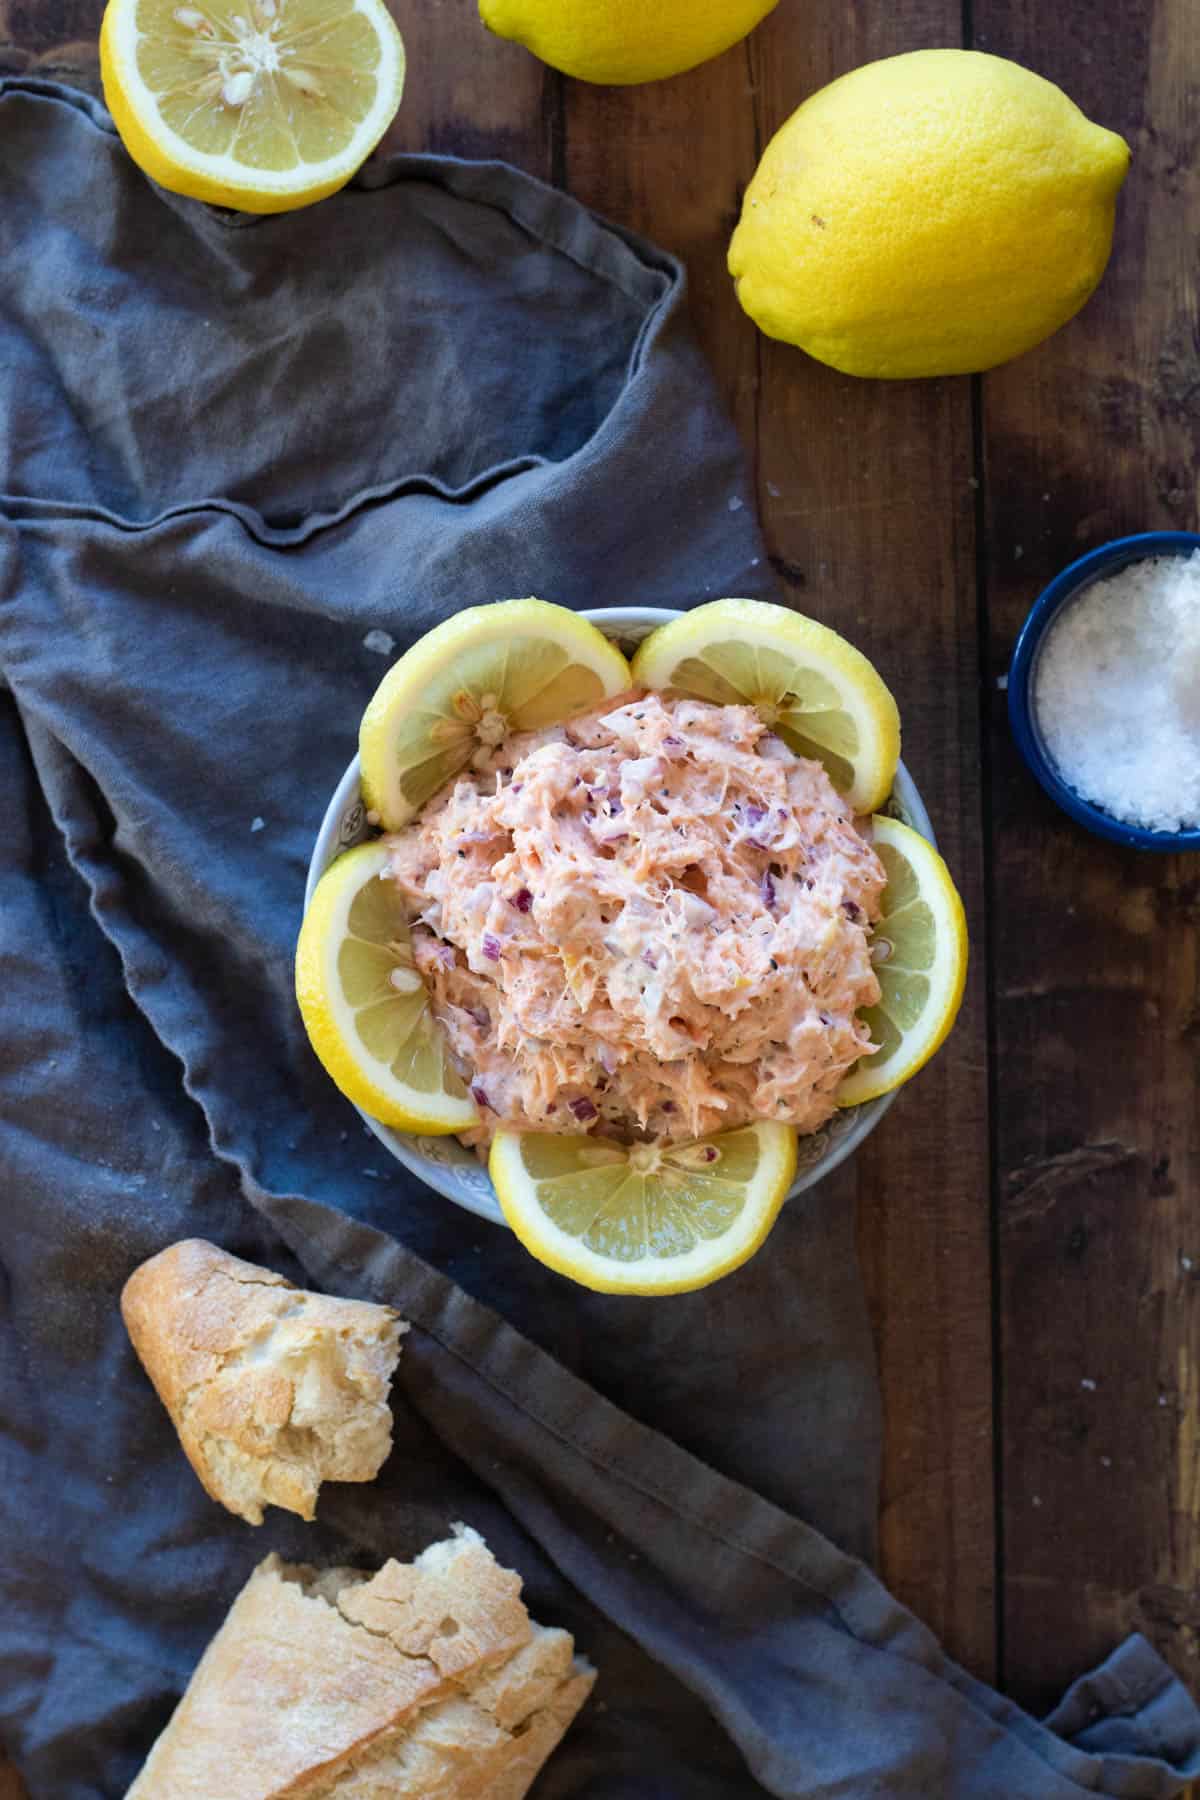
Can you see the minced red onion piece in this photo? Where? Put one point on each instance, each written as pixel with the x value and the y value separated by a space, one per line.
pixel 584 1110
pixel 480 1098
pixel 491 947
pixel 522 900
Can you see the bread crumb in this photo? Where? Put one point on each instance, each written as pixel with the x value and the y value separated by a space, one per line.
pixel 379 643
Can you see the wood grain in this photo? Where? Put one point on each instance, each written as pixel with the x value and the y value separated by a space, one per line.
pixel 11 1786
pixel 865 496
pixel 1097 983
pixel 869 495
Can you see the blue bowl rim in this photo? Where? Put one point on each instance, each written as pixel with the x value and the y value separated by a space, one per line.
pixel 1106 558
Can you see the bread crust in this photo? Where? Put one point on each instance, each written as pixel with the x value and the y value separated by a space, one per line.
pixel 272 1389
pixel 343 1685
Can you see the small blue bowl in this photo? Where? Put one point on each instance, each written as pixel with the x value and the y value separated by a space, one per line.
pixel 1022 676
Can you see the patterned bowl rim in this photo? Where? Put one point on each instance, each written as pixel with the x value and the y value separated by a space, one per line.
pixel 442 1163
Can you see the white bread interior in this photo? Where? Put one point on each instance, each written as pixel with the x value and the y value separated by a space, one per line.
pixel 426 1681
pixel 272 1389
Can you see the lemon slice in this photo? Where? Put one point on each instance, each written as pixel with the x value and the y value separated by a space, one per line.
pixel 816 691
pixel 364 1005
pixel 919 949
pixel 465 686
pixel 258 104
pixel 650 1219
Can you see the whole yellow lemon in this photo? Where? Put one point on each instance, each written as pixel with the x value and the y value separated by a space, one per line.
pixel 619 42
pixel 931 214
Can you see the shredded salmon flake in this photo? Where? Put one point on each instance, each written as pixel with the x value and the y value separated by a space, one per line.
pixel 650 922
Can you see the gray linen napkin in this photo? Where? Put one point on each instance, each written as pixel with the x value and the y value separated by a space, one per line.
pixel 232 450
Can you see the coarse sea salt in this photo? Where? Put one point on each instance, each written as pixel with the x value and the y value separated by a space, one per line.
pixel 1117 693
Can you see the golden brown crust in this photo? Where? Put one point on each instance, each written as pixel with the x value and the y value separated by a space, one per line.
pixel 298 1697
pixel 455 1604
pixel 272 1389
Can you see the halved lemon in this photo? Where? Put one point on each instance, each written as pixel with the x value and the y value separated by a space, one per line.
pixel 816 691
pixel 466 685
pixel 365 1007
pixel 649 1219
pixel 919 948
pixel 262 105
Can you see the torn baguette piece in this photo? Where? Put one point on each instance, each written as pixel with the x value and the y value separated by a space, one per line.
pixel 426 1681
pixel 272 1389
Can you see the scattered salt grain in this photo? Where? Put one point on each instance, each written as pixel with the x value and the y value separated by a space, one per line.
pixel 735 505
pixel 1117 693
pixel 1089 1384
pixel 380 643
pixel 258 824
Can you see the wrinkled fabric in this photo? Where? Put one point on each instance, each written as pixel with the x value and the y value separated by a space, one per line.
pixel 234 450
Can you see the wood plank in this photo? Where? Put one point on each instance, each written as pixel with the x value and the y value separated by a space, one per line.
pixel 470 93
pixel 1097 976
pixel 865 493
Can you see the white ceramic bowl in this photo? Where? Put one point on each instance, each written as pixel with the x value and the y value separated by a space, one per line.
pixel 441 1161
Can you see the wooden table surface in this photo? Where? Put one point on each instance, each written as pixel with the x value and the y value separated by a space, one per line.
pixel 1030 1213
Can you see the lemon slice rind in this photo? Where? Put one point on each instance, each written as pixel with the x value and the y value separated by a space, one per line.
pixel 711 1258
pixel 330 1019
pixel 418 686
pixel 945 975
pixel 855 727
pixel 224 180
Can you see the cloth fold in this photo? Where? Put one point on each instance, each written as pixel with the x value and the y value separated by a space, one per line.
pixel 234 452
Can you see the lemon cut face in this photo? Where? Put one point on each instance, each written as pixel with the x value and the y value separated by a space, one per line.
pixel 263 105
pixel 464 687
pixel 816 691
pixel 365 1007
pixel 919 948
pixel 643 1219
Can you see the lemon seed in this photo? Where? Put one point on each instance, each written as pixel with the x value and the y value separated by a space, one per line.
pixel 307 84
pixel 238 88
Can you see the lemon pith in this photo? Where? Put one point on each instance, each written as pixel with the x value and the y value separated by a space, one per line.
pixel 264 105
pixel 646 1219
pixel 935 213
pixel 619 42
pixel 920 952
pixel 365 1007
pixel 816 691
pixel 514 666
